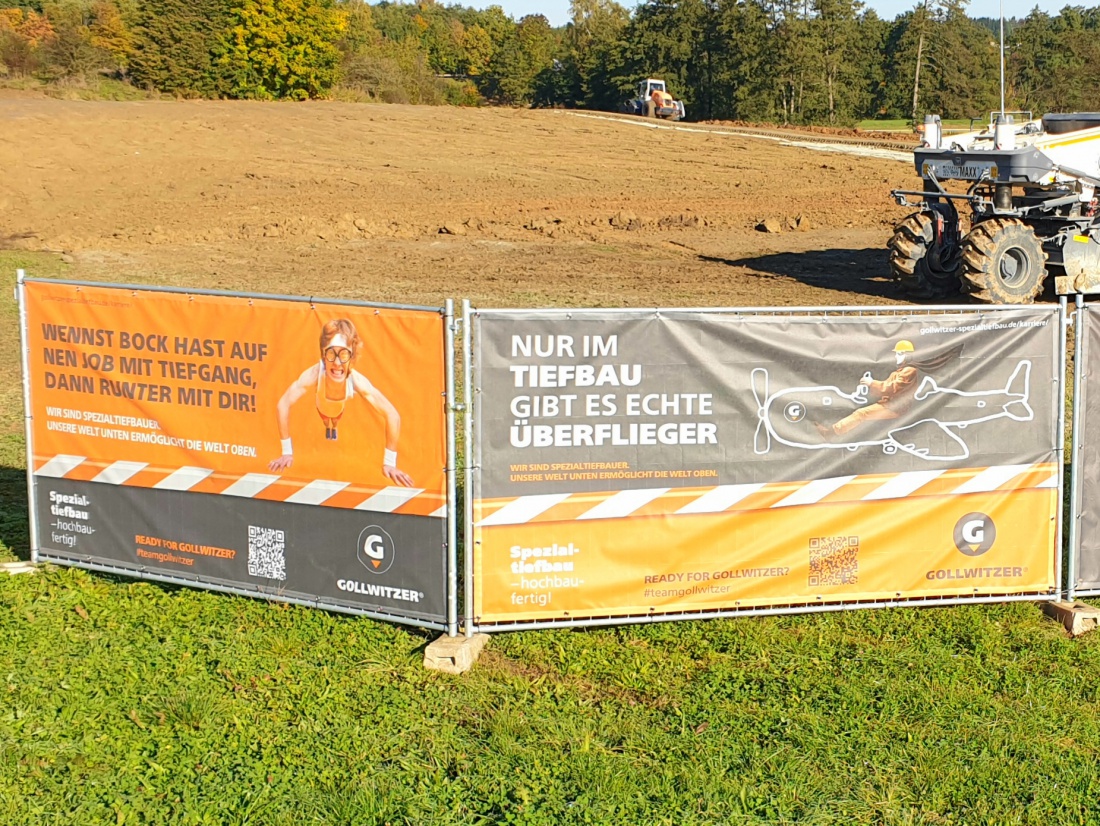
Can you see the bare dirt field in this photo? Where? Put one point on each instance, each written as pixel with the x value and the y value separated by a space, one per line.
pixel 416 204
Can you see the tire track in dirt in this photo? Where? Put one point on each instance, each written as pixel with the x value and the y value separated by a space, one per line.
pixel 845 146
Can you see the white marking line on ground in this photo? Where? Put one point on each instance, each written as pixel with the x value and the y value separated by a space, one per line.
pixel 841 148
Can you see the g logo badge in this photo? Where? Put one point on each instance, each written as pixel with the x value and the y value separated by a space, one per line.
pixel 794 412
pixel 975 534
pixel 375 549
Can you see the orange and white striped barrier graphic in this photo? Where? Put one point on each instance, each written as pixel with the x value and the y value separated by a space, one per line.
pixel 567 507
pixel 265 486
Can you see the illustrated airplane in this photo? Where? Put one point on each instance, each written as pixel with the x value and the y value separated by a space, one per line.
pixel 790 416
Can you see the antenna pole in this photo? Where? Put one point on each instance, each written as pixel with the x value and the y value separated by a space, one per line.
pixel 1002 58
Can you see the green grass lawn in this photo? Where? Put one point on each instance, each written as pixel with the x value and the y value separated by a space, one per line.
pixel 135 703
pixel 906 125
pixel 89 88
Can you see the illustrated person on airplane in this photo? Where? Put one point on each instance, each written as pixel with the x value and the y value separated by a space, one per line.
pixel 893 396
pixel 915 413
pixel 335 382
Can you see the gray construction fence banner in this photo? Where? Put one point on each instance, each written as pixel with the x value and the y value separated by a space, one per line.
pixel 638 464
pixel 292 449
pixel 1084 568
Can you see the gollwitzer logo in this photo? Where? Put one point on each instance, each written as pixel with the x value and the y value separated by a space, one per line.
pixel 975 534
pixel 794 412
pixel 376 549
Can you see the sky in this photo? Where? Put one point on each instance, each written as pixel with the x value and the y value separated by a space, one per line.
pixel 557 11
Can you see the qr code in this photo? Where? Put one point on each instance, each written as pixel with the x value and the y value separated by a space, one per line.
pixel 834 560
pixel 266 553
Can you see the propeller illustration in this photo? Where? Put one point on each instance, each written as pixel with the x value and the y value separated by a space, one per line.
pixel 762 440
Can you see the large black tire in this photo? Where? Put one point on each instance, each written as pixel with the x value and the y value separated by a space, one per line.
pixel 1003 262
pixel 923 266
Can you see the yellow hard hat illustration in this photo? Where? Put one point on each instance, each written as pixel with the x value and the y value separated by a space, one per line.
pixel 904 347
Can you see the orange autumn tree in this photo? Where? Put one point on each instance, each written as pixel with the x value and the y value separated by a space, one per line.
pixel 23 36
pixel 110 34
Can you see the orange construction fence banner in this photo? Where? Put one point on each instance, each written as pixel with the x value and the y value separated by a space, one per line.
pixel 292 447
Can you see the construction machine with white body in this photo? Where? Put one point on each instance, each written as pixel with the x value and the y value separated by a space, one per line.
pixel 1031 188
pixel 652 100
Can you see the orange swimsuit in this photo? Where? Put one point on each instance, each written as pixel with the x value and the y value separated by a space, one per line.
pixel 328 408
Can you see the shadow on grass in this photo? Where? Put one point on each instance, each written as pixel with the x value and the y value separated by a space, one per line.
pixel 14 526
pixel 865 271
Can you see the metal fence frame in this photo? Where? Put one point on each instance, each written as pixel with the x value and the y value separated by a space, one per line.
pixel 460 618
pixel 451 472
pixel 28 420
pixel 450 623
pixel 1060 389
pixel 474 460
pixel 471 466
pixel 1082 319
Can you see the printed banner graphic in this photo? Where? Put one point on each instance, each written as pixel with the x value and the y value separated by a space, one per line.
pixel 292 448
pixel 1086 412
pixel 636 463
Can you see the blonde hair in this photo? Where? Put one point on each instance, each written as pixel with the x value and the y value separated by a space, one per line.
pixel 341 326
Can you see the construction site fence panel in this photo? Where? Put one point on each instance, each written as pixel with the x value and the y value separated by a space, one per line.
pixel 647 465
pixel 287 448
pixel 1084 544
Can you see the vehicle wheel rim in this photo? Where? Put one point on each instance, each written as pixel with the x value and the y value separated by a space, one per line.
pixel 1014 269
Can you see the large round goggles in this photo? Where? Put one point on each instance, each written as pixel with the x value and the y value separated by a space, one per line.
pixel 336 354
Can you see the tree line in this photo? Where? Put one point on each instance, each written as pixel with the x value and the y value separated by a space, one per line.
pixel 783 61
